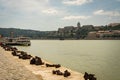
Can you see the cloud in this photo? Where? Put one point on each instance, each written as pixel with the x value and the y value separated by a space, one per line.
pixel 75 17
pixel 76 2
pixel 25 6
pixel 117 0
pixel 50 11
pixel 107 13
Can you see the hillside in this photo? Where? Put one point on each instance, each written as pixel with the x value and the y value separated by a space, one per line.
pixel 66 32
pixel 6 32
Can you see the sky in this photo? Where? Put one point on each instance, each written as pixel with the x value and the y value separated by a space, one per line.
pixel 48 15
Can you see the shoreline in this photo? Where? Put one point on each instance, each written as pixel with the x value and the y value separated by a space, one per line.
pixel 45 72
pixel 11 69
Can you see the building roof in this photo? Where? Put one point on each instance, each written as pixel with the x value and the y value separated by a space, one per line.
pixel 113 24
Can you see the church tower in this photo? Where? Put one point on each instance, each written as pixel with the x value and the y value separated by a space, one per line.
pixel 78 25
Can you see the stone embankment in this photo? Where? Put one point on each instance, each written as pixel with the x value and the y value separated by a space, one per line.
pixel 19 67
pixel 11 69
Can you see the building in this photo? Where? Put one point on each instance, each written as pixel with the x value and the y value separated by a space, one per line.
pixel 113 24
pixel 92 35
pixel 114 34
pixel 0 36
pixel 88 27
pixel 60 30
pixel 78 25
pixel 97 28
pixel 69 29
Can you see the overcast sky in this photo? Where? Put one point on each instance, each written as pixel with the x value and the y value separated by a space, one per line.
pixel 47 15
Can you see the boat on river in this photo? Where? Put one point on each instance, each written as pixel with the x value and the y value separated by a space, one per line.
pixel 23 41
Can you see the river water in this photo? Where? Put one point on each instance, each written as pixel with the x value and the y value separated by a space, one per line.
pixel 101 57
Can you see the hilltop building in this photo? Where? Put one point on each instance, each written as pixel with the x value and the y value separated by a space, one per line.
pixel 88 27
pixel 78 25
pixel 90 32
pixel 113 24
pixel 97 28
pixel 78 31
pixel 74 29
pixel 0 36
pixel 69 29
pixel 104 34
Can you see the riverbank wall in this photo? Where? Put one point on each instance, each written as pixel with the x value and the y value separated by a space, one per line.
pixel 14 68
pixel 11 69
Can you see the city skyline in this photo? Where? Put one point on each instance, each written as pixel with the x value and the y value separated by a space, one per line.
pixel 48 15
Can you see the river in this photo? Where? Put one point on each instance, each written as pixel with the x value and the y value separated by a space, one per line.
pixel 101 57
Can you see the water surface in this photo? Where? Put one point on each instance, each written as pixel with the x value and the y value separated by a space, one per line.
pixel 100 57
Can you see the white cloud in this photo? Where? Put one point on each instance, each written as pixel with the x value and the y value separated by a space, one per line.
pixel 117 0
pixel 107 13
pixel 76 2
pixel 25 6
pixel 50 11
pixel 75 17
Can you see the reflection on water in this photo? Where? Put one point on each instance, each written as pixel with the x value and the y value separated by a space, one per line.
pixel 94 56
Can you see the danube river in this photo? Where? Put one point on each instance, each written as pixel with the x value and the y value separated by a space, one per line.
pixel 101 57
